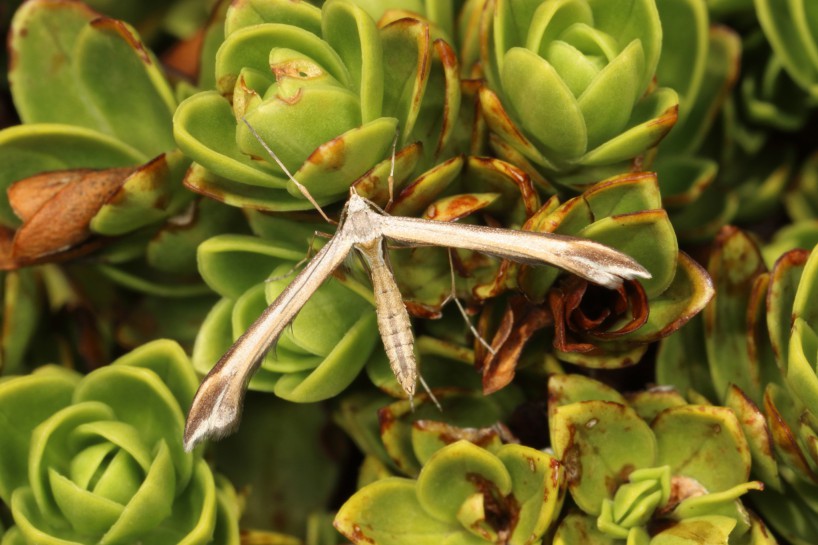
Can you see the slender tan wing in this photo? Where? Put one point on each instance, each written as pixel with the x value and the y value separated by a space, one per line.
pixel 217 405
pixel 590 260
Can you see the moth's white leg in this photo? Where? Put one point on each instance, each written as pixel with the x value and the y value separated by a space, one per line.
pixel 453 297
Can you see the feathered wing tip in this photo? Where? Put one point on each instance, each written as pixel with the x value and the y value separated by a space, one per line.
pixel 214 413
pixel 600 264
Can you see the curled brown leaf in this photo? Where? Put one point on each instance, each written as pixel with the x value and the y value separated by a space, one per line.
pixel 584 312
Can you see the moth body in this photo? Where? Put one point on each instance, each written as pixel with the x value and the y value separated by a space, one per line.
pixel 393 319
pixel 216 408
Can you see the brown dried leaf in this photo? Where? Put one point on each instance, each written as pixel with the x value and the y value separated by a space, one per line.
pixel 61 222
pixel 28 195
pixel 584 310
pixel 519 323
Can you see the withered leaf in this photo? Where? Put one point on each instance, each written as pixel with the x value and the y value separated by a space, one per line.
pixel 520 321
pixel 57 207
pixel 586 311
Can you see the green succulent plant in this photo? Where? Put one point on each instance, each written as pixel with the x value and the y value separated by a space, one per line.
pixel 802 198
pixel 398 437
pixel 567 86
pixel 455 21
pixel 139 200
pixel 93 171
pixel 282 68
pixel 653 459
pixel 595 329
pixel 463 494
pixel 701 63
pixel 754 351
pixel 99 458
pixel 792 30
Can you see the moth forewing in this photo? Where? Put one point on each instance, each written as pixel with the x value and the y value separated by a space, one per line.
pixel 590 260
pixel 216 407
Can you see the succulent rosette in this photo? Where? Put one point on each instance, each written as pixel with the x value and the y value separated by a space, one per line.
pixel 602 328
pixel 568 85
pixel 755 351
pixel 447 444
pixel 650 469
pixel 792 30
pixel 463 494
pixel 99 458
pixel 327 90
pixel 397 437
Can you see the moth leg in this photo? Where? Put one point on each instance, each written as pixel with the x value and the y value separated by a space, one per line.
pixel 453 297
pixel 391 178
pixel 429 392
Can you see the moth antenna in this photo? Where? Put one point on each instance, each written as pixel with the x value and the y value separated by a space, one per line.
pixel 453 297
pixel 304 191
pixel 428 391
pixel 391 178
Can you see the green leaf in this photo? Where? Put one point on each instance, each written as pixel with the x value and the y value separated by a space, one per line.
pixel 653 116
pixel 553 118
pixel 790 29
pixel 138 397
pixel 170 363
pixel 755 429
pixel 709 530
pixel 205 129
pixel 705 443
pixel 25 403
pixel 338 369
pixel 369 516
pixel 600 443
pixel 254 12
pixel 607 102
pixel 456 472
pixel 102 65
pixel 537 482
pixel 354 36
pixel 735 265
pixel 149 195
